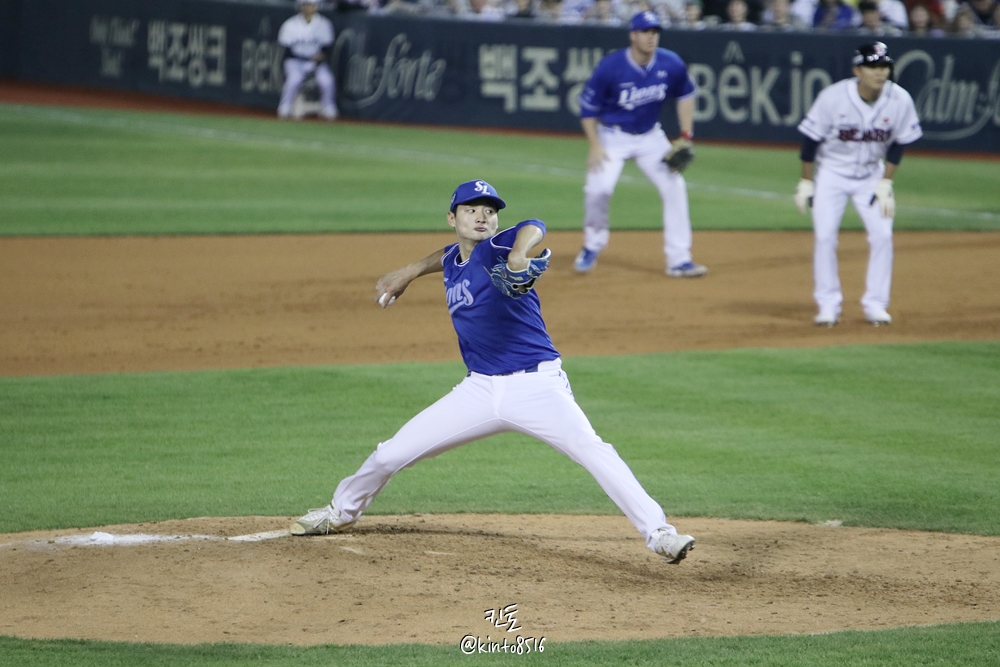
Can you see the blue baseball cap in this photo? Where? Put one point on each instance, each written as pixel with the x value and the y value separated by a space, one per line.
pixel 473 190
pixel 644 21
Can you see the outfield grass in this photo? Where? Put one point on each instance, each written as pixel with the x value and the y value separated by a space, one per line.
pixel 89 171
pixel 898 436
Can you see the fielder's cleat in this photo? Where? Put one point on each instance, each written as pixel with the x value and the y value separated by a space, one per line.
pixel 825 319
pixel 322 521
pixel 687 270
pixel 586 260
pixel 672 546
pixel 878 317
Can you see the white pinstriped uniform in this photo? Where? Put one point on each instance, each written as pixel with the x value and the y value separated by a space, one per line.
pixel 854 138
pixel 303 40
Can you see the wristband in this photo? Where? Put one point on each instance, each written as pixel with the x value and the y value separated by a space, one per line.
pixel 687 135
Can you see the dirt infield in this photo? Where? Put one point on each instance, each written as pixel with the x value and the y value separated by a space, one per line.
pixel 97 305
pixel 93 305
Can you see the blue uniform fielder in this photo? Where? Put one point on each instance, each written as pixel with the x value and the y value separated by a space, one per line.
pixel 515 380
pixel 619 111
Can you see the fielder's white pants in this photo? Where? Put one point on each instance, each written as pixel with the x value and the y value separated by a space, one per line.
pixel 539 404
pixel 296 71
pixel 647 150
pixel 829 203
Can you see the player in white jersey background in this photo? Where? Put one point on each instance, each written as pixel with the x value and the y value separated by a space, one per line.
pixel 853 138
pixel 307 38
pixel 514 383
pixel 620 110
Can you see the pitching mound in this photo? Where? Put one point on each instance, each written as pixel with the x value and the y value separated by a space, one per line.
pixel 430 578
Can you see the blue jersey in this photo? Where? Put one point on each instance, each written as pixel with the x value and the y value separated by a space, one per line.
pixel 496 334
pixel 620 92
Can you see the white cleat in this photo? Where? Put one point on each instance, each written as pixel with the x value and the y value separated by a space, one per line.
pixel 826 319
pixel 878 317
pixel 672 546
pixel 687 270
pixel 322 521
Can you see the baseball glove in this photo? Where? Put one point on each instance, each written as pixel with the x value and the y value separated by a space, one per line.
pixel 516 284
pixel 681 155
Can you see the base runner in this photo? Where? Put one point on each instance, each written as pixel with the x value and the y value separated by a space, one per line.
pixel 855 133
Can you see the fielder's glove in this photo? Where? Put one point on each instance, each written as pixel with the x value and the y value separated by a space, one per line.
pixel 516 284
pixel 681 155
pixel 804 195
pixel 886 199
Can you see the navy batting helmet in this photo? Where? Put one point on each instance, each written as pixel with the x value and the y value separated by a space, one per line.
pixel 875 54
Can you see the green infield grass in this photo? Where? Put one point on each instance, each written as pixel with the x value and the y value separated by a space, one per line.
pixel 967 644
pixel 89 171
pixel 896 436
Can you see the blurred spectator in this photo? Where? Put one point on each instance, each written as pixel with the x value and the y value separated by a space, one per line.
pixel 549 10
pixel 920 22
pixel 965 23
pixel 894 12
pixel 692 16
pixel 835 15
pixel 602 12
pixel 522 9
pixel 804 11
pixel 736 17
pixel 935 10
pixel 982 11
pixel 573 11
pixel 778 16
pixel 872 22
pixel 671 12
pixel 480 10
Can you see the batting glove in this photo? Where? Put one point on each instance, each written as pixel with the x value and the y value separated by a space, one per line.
pixel 804 195
pixel 886 199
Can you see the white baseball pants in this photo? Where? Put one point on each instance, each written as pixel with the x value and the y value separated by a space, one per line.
pixel 829 203
pixel 647 150
pixel 539 404
pixel 296 71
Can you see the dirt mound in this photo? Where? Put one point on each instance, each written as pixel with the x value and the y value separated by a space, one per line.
pixel 430 579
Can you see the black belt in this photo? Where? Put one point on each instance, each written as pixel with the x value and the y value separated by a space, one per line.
pixel 530 369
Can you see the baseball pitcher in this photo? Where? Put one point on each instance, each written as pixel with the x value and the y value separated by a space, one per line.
pixel 514 383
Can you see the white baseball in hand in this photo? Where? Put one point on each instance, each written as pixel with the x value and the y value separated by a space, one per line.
pixel 385 300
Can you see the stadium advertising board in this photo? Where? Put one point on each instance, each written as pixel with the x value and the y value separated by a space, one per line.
pixel 751 86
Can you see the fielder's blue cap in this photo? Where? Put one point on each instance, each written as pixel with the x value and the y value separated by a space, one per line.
pixel 473 190
pixel 644 21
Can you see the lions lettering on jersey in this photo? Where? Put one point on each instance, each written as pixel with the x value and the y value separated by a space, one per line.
pixel 624 94
pixel 633 97
pixel 458 295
